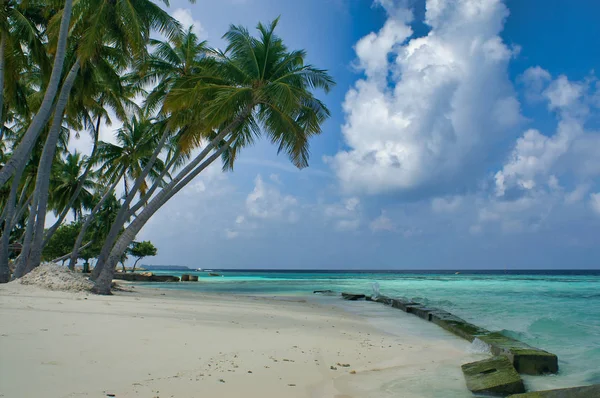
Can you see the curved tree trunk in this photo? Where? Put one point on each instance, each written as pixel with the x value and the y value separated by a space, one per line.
pixel 21 265
pixel 134 264
pixel 103 281
pixel 8 226
pixel 42 182
pixel 23 150
pixel 78 190
pixel 2 48
pixel 125 213
pixel 88 221
pixel 122 215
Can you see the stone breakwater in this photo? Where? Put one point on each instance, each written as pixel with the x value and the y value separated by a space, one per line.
pixel 499 375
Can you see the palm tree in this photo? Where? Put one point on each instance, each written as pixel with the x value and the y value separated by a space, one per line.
pixel 136 141
pixel 126 27
pixel 66 180
pixel 171 60
pixel 16 163
pixel 256 87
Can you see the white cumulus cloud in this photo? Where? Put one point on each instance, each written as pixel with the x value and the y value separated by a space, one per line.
pixel 186 19
pixel 595 202
pixel 429 108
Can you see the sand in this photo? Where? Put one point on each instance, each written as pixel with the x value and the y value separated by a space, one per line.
pixel 52 276
pixel 165 343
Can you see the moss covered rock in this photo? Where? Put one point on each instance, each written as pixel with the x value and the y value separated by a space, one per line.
pixel 421 311
pixel 459 327
pixel 384 300
pixel 353 297
pixel 402 304
pixel 495 376
pixel 526 359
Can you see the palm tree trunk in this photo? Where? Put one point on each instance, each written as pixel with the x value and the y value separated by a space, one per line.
pixel 21 265
pixel 8 226
pixel 42 182
pixel 103 281
pixel 144 199
pixel 78 190
pixel 88 221
pixel 123 213
pixel 2 47
pixel 23 150
pixel 66 256
pixel 120 221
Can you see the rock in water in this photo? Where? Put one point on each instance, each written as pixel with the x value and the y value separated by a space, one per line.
pixel 353 297
pixel 493 376
pixel 526 359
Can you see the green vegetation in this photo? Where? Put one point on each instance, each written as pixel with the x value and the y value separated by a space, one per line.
pixel 141 250
pixel 68 68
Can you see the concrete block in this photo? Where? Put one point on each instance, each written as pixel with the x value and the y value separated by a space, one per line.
pixel 353 297
pixel 493 376
pixel 459 327
pixel 526 359
pixel 384 300
pixel 421 311
pixel 402 304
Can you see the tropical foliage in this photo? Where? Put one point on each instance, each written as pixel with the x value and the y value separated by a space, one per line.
pixel 176 105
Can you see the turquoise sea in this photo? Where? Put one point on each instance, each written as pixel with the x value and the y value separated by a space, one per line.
pixel 558 311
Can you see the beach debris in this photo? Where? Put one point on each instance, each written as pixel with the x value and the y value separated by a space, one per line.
pixel 249 371
pixel 332 367
pixel 221 380
pixel 291 385
pixel 353 372
pixel 343 365
pixel 573 392
pixel 496 375
pixel 185 278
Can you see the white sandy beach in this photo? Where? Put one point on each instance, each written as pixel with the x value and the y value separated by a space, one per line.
pixel 163 343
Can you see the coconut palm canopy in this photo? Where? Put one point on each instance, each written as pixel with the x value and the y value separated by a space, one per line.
pixel 199 104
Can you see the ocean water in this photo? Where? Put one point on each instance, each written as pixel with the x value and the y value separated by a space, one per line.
pixel 558 311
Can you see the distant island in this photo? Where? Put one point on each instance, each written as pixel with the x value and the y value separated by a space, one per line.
pixel 165 267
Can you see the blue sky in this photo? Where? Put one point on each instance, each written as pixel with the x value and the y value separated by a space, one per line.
pixel 464 134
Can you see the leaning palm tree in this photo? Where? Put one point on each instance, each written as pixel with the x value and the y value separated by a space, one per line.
pixel 125 26
pixel 65 182
pixel 173 59
pixel 135 144
pixel 256 87
pixel 14 166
